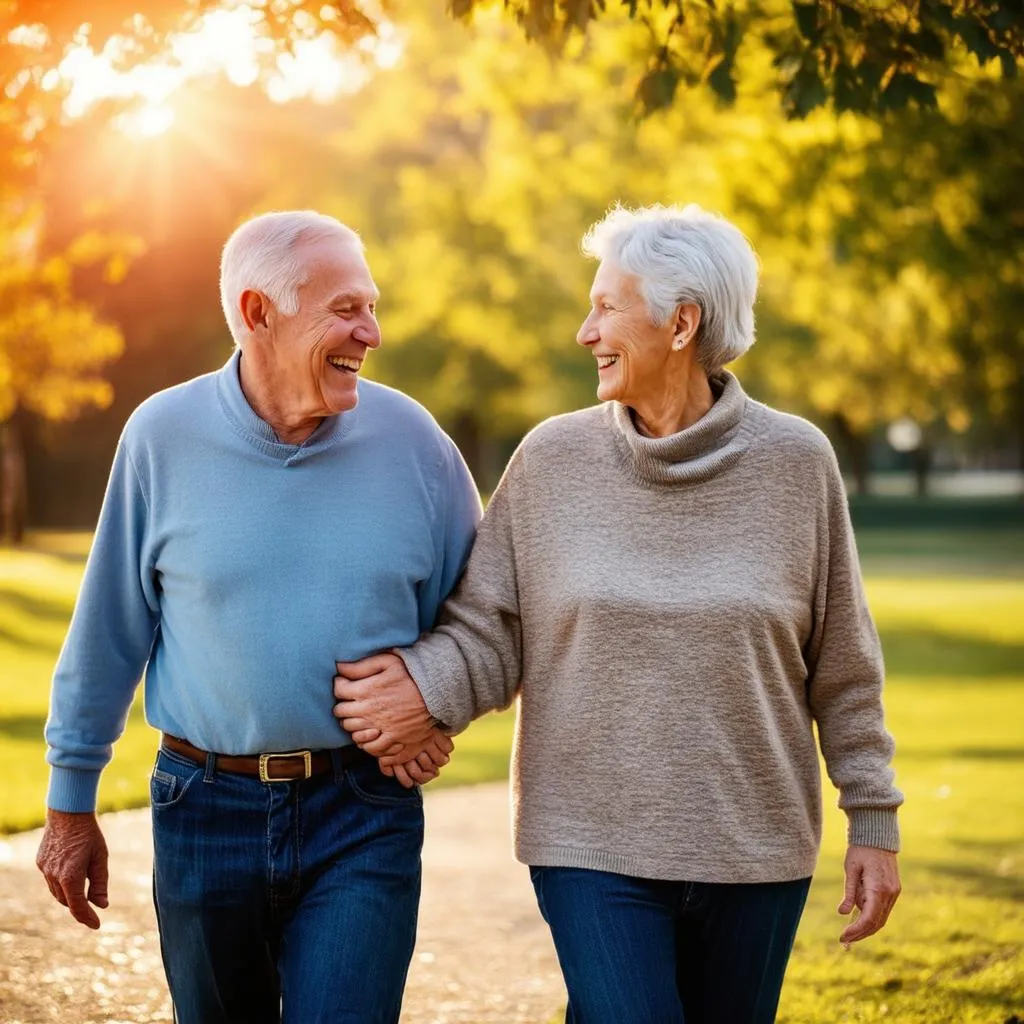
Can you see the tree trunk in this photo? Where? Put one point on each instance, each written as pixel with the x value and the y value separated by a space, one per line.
pixel 1019 418
pixel 13 480
pixel 466 435
pixel 922 467
pixel 855 447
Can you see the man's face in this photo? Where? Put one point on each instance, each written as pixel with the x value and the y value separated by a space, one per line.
pixel 318 352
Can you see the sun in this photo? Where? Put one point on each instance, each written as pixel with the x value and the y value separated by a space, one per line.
pixel 149 120
pixel 224 41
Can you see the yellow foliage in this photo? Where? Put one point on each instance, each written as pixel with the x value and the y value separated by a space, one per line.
pixel 52 348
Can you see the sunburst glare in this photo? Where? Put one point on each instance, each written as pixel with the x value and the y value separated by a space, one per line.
pixel 226 41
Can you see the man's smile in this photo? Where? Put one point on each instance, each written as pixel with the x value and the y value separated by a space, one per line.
pixel 345 363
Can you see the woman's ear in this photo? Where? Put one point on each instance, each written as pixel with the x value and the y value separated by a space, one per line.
pixel 687 322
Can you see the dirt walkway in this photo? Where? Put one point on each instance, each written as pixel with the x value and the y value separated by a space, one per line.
pixel 483 956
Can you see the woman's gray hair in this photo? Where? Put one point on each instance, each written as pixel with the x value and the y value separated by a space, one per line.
pixel 261 256
pixel 686 254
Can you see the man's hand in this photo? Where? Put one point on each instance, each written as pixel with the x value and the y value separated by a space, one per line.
pixel 872 886
pixel 378 694
pixel 73 850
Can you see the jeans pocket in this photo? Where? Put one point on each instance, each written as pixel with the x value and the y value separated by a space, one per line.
pixel 170 781
pixel 372 786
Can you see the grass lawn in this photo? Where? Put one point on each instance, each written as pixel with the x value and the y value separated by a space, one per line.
pixel 950 607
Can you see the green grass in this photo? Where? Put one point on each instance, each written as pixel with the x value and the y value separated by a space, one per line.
pixel 950 608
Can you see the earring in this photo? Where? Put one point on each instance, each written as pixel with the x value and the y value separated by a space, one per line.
pixel 678 344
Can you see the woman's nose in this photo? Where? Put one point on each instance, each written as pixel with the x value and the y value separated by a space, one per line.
pixel 588 333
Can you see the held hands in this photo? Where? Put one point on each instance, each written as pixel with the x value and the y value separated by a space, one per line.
pixel 872 886
pixel 380 705
pixel 72 850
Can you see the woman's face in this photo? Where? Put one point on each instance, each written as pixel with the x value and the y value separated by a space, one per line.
pixel 631 353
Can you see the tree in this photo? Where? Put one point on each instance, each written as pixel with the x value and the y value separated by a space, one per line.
pixel 858 55
pixel 51 349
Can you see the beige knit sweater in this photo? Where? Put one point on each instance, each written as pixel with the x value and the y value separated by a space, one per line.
pixel 676 614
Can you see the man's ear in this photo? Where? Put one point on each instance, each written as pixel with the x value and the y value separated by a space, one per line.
pixel 255 308
pixel 687 322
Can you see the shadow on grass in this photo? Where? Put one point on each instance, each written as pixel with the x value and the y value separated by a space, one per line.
pixel 30 726
pixel 47 609
pixel 52 613
pixel 22 727
pixel 977 881
pixel 963 754
pixel 926 653
pixel 18 639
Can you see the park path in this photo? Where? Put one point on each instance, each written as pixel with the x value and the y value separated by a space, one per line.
pixel 483 955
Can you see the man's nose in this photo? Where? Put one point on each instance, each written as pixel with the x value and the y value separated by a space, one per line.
pixel 367 334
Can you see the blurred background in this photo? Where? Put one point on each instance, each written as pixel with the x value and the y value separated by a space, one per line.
pixel 872 151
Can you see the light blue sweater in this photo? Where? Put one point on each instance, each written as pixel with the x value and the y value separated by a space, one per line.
pixel 241 569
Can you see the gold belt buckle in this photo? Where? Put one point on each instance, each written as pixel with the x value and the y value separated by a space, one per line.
pixel 265 759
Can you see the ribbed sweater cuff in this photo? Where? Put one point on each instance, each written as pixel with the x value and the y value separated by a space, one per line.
pixel 73 790
pixel 432 686
pixel 874 826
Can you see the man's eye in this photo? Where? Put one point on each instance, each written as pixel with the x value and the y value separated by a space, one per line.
pixel 344 311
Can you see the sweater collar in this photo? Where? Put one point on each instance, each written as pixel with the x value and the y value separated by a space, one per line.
pixel 712 444
pixel 259 433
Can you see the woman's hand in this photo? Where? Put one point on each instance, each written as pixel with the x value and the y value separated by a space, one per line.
pixel 422 767
pixel 872 886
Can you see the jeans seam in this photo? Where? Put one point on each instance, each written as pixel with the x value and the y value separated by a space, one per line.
pixel 297 880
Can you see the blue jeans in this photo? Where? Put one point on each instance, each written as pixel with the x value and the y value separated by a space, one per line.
pixel 291 901
pixel 640 951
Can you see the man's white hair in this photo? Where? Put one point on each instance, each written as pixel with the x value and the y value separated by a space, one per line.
pixel 686 254
pixel 262 256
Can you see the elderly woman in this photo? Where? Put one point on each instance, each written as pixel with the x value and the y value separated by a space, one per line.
pixel 668 580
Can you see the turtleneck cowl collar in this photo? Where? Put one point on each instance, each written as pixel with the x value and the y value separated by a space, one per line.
pixel 259 433
pixel 698 453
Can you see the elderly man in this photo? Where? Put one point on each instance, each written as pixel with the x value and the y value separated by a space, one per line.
pixel 260 522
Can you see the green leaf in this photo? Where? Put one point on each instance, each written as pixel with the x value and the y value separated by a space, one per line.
pixel 805 92
pixel 924 94
pixel 579 13
pixel 848 91
pixel 976 39
pixel 870 74
pixel 722 81
pixel 806 19
pixel 943 16
pixel 904 88
pixel 850 17
pixel 657 88
pixel 1005 20
pixel 1009 64
pixel 928 44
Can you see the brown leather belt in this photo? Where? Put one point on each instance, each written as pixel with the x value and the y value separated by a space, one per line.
pixel 282 767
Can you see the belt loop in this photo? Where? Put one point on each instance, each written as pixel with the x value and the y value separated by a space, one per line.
pixel 211 767
pixel 338 764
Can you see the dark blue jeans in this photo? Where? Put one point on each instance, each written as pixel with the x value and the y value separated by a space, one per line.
pixel 640 951
pixel 291 901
